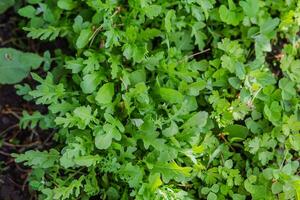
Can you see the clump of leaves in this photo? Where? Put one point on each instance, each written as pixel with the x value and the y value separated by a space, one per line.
pixel 168 100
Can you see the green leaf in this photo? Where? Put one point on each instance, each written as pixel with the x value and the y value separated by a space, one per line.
pixel 236 132
pixel 265 157
pixel 16 65
pixel 66 4
pixel 137 76
pixel 171 131
pixel 234 82
pixel 152 11
pixel 264 78
pixel 65 192
pixel 171 171
pixel 47 92
pixel 268 26
pixel 197 120
pixel 87 161
pixel 38 159
pixel 288 89
pixel 27 11
pixel 276 188
pixel 81 117
pixel 170 95
pixel 154 181
pixel 102 140
pixel 105 135
pixel 133 174
pixel 206 6
pixel 34 1
pixel 212 196
pixel 273 112
pixel 196 87
pixel 105 94
pixel 31 121
pixel 168 20
pixel 112 38
pixel 162 99
pixel 230 16
pixel 90 82
pixel 49 33
pixel 5 4
pixel 83 38
pixel 250 7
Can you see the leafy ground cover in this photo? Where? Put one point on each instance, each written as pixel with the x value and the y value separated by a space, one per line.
pixel 161 99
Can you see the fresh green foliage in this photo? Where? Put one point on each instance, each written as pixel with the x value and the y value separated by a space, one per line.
pixel 16 65
pixel 165 99
pixel 5 4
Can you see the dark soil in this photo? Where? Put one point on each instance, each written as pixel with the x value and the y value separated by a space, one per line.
pixel 13 177
pixel 13 184
pixel 273 58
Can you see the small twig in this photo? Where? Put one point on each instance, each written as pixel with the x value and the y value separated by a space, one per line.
pixel 11 112
pixel 198 53
pixel 9 128
pixel 4 153
pixel 195 54
pixel 118 25
pixel 36 133
pixel 24 184
pixel 49 137
pixel 11 160
pixel 16 184
pixel 14 134
pixel 92 38
pixel 222 136
pixel 255 95
pixel 21 169
pixel 283 160
pixel 21 145
pixel 118 9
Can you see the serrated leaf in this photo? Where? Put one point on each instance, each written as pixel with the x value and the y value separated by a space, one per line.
pixel 172 170
pixel 152 11
pixel 38 159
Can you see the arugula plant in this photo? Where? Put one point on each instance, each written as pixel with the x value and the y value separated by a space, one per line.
pixel 168 100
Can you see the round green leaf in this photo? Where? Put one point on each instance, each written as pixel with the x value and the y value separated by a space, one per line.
pixel 15 65
pixel 212 196
pixel 83 38
pixel 276 188
pixel 236 132
pixel 66 4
